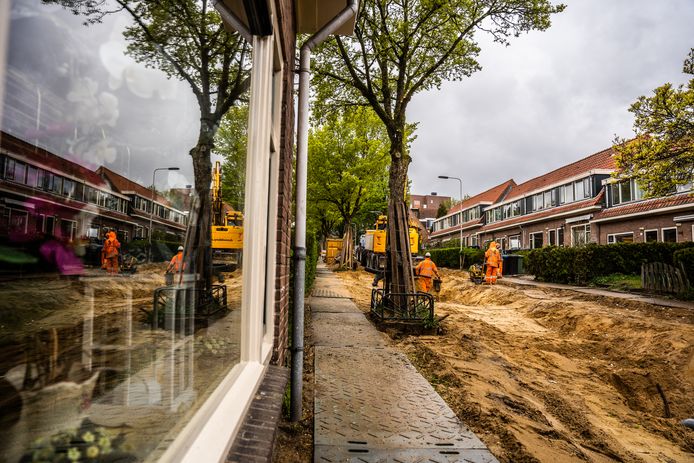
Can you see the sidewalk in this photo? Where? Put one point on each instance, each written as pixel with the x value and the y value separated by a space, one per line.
pixel 603 292
pixel 371 404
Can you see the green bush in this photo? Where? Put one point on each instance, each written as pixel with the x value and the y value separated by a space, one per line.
pixel 580 265
pixel 685 259
pixel 450 257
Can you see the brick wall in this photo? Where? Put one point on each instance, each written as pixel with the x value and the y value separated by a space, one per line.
pixel 639 225
pixel 285 9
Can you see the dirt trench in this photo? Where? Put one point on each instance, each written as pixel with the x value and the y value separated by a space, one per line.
pixel 547 375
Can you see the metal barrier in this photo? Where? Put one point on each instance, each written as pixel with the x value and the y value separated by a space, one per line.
pixel 172 305
pixel 417 306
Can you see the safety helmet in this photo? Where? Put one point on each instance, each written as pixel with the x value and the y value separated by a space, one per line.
pixel 428 254
pixel 180 248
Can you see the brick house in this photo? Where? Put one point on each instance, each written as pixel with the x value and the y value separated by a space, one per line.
pixel 468 215
pixel 425 207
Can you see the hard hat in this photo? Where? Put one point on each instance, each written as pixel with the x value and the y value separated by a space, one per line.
pixel 428 254
pixel 180 248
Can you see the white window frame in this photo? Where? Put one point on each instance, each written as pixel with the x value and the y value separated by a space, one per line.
pixel 562 240
pixel 531 236
pixel 584 232
pixel 657 234
pixel 550 241
pixel 662 233
pixel 208 435
pixel 612 237
pixel 516 238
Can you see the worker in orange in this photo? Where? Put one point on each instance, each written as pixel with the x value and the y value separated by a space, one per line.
pixel 176 265
pixel 493 260
pixel 426 270
pixel 110 253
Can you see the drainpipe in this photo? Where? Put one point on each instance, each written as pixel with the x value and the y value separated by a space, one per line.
pixel 300 215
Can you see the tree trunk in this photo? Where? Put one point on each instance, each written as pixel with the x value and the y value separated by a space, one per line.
pixel 399 277
pixel 346 256
pixel 200 231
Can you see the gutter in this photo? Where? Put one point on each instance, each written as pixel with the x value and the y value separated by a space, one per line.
pixel 300 216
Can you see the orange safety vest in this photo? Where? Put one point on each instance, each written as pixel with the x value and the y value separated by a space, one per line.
pixel 111 246
pixel 426 268
pixel 177 262
pixel 493 257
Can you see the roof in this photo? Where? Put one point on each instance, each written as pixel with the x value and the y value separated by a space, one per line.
pixel 548 213
pixel 447 231
pixel 648 206
pixel 600 160
pixel 49 160
pixel 124 185
pixel 492 195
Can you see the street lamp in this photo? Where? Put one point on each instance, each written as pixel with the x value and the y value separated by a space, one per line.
pixel 446 177
pixel 151 206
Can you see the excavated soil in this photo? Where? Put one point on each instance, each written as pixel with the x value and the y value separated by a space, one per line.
pixel 547 375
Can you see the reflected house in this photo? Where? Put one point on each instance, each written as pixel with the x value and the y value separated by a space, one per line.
pixel 165 218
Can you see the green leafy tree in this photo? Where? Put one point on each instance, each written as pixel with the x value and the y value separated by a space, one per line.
pixel 404 47
pixel 661 156
pixel 231 142
pixel 348 159
pixel 187 41
pixel 443 209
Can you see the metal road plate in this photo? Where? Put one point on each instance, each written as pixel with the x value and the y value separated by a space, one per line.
pixel 330 304
pixel 375 399
pixel 344 330
pixel 332 291
pixel 331 454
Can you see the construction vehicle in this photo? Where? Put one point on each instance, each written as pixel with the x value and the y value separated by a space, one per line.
pixel 333 247
pixel 227 229
pixel 373 254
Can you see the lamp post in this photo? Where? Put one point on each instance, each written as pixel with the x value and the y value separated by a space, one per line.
pixel 151 206
pixel 446 177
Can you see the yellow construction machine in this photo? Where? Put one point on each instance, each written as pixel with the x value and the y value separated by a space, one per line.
pixel 373 253
pixel 227 228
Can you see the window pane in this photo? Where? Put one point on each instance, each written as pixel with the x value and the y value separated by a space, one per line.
pixel 569 192
pixel 669 235
pixel 625 191
pixel 93 126
pixel 651 236
pixel 578 186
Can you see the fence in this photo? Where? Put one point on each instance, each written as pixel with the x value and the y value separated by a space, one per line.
pixel 663 278
pixel 403 307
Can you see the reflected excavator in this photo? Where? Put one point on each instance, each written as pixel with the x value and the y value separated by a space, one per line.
pixel 227 229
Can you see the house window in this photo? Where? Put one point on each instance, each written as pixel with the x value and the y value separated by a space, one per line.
pixel 580 235
pixel 669 234
pixel 514 242
pixel 627 237
pixel 552 237
pixel 568 192
pixel 560 236
pixel 536 240
pixel 650 236
pixel 67 229
pixel 18 222
pixel 32 176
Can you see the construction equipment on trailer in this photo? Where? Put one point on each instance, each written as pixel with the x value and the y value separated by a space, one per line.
pixel 373 254
pixel 227 229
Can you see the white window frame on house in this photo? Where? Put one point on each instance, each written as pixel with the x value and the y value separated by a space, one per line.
pixel 662 234
pixel 208 435
pixel 560 242
pixel 657 235
pixel 586 232
pixel 612 237
pixel 552 237
pixel 531 236
pixel 518 242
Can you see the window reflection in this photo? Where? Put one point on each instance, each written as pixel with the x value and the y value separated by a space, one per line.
pixel 125 356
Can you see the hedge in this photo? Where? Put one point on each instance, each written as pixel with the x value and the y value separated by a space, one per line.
pixel 685 259
pixel 311 261
pixel 449 257
pixel 580 265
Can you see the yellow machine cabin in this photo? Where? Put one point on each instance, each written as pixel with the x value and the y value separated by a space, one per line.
pixel 333 248
pixel 375 240
pixel 227 228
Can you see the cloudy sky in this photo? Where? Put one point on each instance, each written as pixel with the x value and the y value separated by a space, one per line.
pixel 551 97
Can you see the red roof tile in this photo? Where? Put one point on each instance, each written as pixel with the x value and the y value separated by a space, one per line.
pixel 492 195
pixel 52 161
pixel 601 160
pixel 567 208
pixel 122 185
pixel 650 206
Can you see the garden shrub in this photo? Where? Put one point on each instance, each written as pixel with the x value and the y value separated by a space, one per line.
pixel 685 259
pixel 580 265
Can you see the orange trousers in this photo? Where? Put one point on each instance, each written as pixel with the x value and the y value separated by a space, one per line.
pixel 490 277
pixel 425 284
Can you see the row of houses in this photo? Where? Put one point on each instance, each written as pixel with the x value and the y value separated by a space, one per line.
pixel 45 195
pixel 576 204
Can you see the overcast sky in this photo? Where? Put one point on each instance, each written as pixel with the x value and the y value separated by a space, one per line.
pixel 551 97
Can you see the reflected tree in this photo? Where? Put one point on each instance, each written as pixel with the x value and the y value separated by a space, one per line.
pixel 186 40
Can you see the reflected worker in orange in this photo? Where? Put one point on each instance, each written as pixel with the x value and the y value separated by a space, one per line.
pixel 492 258
pixel 110 253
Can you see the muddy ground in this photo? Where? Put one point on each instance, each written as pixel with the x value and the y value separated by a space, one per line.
pixel 553 375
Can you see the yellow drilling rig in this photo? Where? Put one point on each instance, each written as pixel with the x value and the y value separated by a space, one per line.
pixel 227 228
